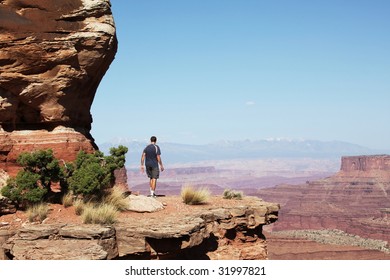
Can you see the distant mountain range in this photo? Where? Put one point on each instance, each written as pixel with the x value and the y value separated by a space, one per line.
pixel 247 149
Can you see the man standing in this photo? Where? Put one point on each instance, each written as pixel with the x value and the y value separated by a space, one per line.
pixel 151 156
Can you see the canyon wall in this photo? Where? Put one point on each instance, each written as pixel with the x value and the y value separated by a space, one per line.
pixel 355 200
pixel 53 55
pixel 365 163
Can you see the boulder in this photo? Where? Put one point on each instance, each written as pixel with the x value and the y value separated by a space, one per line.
pixel 141 203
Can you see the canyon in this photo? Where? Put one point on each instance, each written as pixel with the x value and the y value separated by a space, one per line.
pixel 53 55
pixel 314 194
pixel 355 200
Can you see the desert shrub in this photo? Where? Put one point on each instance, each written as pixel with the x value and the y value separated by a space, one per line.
pixel 24 188
pixel 193 197
pixel 116 198
pixel 88 176
pixel 117 158
pixel 230 194
pixel 37 212
pixel 95 172
pixel 33 183
pixel 99 214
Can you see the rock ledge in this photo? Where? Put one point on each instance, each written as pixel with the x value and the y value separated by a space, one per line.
pixel 212 232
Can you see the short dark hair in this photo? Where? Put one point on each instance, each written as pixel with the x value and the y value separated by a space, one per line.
pixel 153 139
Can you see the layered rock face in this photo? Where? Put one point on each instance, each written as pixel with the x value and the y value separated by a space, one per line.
pixel 374 167
pixel 355 200
pixel 65 142
pixel 215 232
pixel 231 233
pixel 61 242
pixel 53 55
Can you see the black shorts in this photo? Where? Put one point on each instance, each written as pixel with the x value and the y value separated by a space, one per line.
pixel 152 172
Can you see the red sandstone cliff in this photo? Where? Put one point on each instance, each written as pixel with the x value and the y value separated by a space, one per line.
pixel 53 55
pixel 355 200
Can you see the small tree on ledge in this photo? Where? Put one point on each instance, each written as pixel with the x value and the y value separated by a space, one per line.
pixel 33 183
pixel 88 176
pixel 95 172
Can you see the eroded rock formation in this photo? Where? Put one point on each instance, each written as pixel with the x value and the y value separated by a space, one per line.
pixel 65 143
pixel 355 200
pixel 214 232
pixel 53 55
pixel 375 167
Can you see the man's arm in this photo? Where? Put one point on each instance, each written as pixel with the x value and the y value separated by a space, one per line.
pixel 160 162
pixel 142 163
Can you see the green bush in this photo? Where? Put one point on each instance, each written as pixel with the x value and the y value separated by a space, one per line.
pixel 42 162
pixel 33 183
pixel 94 172
pixel 88 176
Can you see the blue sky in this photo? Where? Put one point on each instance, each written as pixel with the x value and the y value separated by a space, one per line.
pixel 199 71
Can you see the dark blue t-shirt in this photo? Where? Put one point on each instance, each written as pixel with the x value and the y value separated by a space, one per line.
pixel 151 151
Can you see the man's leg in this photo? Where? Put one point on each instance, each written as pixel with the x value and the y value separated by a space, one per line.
pixel 153 183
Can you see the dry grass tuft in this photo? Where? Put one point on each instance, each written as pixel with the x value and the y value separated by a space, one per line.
pixel 67 199
pixel 117 198
pixel 102 211
pixel 78 206
pixel 99 214
pixel 194 197
pixel 37 212
pixel 230 194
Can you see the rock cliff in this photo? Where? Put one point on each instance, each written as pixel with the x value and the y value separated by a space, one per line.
pixel 219 230
pixel 53 55
pixel 355 200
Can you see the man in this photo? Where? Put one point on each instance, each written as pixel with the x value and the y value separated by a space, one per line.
pixel 151 156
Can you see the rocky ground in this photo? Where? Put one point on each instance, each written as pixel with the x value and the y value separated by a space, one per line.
pixel 173 206
pixel 288 248
pixel 324 245
pixel 219 229
pixel 283 245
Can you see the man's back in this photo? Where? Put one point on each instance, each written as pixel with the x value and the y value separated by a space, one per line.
pixel 151 151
